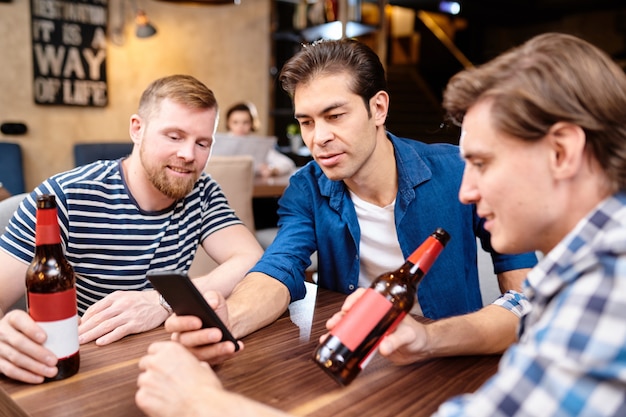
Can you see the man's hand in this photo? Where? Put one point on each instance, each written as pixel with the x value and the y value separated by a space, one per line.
pixel 203 343
pixel 173 380
pixel 120 314
pixel 173 383
pixel 406 344
pixel 22 354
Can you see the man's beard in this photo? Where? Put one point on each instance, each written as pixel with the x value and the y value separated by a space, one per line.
pixel 175 189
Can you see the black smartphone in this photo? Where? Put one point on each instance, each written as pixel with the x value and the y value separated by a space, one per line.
pixel 185 299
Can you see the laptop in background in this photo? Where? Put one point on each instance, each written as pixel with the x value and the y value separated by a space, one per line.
pixel 256 145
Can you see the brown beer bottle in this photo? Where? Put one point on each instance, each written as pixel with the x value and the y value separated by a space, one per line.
pixel 51 290
pixel 352 342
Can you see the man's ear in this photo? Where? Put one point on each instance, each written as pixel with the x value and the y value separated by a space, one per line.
pixel 567 143
pixel 136 128
pixel 379 105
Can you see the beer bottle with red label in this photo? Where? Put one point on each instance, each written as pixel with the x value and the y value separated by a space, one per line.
pixel 352 342
pixel 51 290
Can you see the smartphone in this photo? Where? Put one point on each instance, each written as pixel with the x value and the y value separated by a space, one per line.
pixel 185 299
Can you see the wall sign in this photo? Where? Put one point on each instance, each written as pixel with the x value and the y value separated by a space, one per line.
pixel 69 52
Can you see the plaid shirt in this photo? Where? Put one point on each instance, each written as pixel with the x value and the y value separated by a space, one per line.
pixel 571 355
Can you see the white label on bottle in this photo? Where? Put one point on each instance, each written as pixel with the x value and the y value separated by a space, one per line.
pixel 62 336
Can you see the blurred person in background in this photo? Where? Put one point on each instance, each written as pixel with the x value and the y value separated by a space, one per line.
pixel 241 120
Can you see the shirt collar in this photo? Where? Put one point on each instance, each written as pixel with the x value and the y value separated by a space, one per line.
pixel 601 230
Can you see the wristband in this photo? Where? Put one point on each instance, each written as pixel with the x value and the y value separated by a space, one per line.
pixel 165 305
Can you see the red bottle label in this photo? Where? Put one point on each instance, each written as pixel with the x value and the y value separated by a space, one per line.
pixel 57 314
pixel 55 306
pixel 364 315
pixel 47 231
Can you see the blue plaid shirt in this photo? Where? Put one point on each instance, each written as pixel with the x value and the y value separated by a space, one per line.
pixel 571 355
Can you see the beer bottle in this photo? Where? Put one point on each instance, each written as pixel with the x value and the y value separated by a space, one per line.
pixel 353 341
pixel 51 290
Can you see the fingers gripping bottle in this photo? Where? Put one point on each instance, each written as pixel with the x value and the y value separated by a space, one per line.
pixel 51 290
pixel 350 344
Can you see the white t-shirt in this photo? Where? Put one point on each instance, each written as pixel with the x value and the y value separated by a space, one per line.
pixel 379 247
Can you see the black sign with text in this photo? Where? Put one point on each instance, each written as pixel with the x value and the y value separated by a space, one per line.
pixel 69 52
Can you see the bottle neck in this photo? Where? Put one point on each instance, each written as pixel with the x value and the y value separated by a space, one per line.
pixel 425 255
pixel 47 231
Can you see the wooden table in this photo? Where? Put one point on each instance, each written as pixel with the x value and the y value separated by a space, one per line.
pixel 274 368
pixel 270 186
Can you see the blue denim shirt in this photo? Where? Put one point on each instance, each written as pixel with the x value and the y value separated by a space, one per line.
pixel 316 213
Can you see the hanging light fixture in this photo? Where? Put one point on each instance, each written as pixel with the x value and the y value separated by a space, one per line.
pixel 144 28
pixel 120 10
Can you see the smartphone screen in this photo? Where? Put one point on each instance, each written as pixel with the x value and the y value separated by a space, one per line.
pixel 185 299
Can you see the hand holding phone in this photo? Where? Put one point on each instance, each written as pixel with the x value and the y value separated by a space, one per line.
pixel 185 299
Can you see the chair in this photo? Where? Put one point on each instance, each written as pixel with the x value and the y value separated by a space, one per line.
pixel 235 174
pixel 11 167
pixel 7 208
pixel 86 153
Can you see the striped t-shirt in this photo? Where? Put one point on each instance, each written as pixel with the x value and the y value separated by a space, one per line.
pixel 108 239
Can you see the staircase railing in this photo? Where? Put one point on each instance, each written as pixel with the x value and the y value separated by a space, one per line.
pixel 439 57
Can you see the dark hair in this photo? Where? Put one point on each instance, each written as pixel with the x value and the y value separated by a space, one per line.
pixel 332 56
pixel 182 89
pixel 248 108
pixel 551 78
